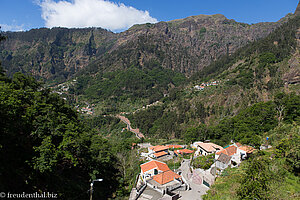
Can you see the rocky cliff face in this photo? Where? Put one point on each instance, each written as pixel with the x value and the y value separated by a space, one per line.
pixel 55 53
pixel 185 45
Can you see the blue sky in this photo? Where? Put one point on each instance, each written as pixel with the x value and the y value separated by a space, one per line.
pixel 18 15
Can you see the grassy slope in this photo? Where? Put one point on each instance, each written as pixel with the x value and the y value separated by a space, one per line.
pixel 283 184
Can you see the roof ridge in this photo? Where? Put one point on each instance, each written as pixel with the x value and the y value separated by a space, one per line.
pixel 153 161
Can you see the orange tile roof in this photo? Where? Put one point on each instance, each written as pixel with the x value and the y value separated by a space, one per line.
pixel 166 177
pixel 154 164
pixel 159 154
pixel 182 151
pixel 238 144
pixel 158 148
pixel 229 151
pixel 209 147
pixel 246 148
pixel 175 146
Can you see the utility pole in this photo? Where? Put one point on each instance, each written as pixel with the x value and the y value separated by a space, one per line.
pixel 91 189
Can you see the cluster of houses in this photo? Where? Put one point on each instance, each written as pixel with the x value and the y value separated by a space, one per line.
pixel 157 176
pixel 85 110
pixel 163 152
pixel 231 155
pixel 203 85
pixel 63 88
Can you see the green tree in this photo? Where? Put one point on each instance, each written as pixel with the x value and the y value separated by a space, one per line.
pixel 45 147
pixel 255 183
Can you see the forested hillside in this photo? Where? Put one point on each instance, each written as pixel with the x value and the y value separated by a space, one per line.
pixel 45 146
pixel 256 73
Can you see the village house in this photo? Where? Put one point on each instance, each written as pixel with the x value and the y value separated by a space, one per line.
pixel 197 87
pixel 166 177
pixel 158 151
pixel 159 177
pixel 152 168
pixel 244 151
pixel 206 148
pixel 232 152
pixel 236 152
pixel 223 161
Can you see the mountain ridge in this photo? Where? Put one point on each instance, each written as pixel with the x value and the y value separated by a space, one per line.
pixel 188 45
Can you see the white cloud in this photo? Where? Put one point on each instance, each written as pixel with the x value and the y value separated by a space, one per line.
pixel 92 13
pixel 12 27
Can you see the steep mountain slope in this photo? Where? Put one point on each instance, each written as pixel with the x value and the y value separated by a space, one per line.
pixel 254 73
pixel 185 45
pixel 55 53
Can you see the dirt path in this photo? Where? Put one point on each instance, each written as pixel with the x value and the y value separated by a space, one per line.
pixel 136 131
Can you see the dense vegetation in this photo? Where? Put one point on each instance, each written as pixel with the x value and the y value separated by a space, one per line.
pixel 133 83
pixel 247 127
pixel 203 162
pixel 46 147
pixel 252 75
pixel 271 174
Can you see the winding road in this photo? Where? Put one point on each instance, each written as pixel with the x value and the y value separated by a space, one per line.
pixel 196 190
pixel 136 131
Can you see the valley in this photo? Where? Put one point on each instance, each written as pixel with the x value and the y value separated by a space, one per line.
pixel 197 108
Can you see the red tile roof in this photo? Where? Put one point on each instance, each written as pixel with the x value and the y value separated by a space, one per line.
pixel 166 177
pixel 229 151
pixel 182 151
pixel 246 148
pixel 154 164
pixel 209 147
pixel 159 154
pixel 159 148
pixel 175 146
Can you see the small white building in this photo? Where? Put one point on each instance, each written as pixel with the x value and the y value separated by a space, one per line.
pixel 237 152
pixel 152 168
pixel 198 87
pixel 206 148
pixel 223 161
